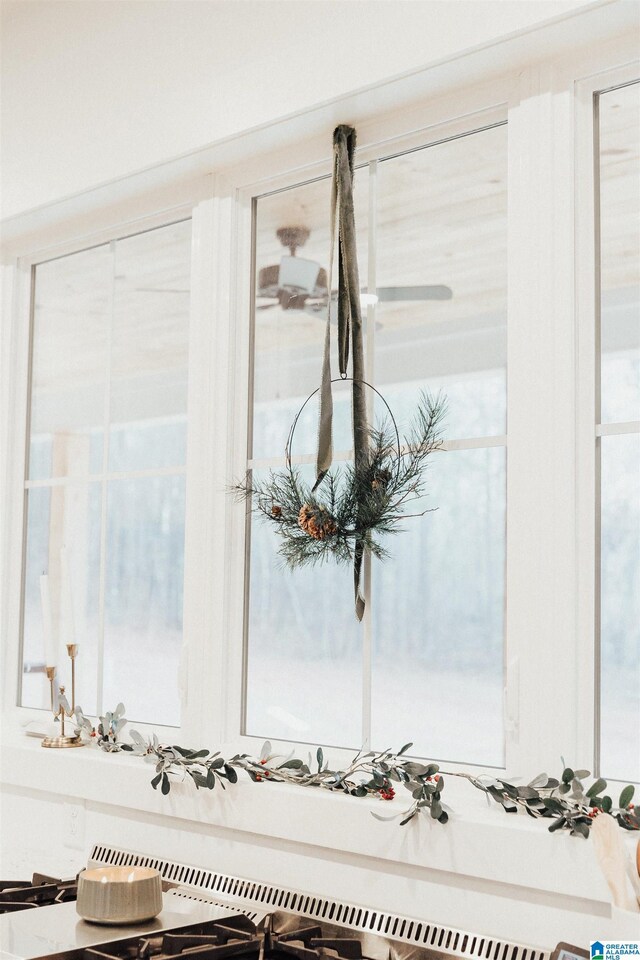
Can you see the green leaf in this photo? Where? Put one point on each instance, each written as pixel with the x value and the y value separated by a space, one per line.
pixel 539 781
pixel 417 769
pixel 581 828
pixel 565 787
pixel 567 775
pixel 319 758
pixel 436 809
pixel 156 780
pixel 581 774
pixel 444 816
pixel 232 775
pixel 404 749
pixel 625 796
pixel 291 765
pixel 527 793
pixel 211 779
pixel 217 763
pixel 410 817
pixel 597 788
pixel 557 824
pixel 607 803
pixel 166 786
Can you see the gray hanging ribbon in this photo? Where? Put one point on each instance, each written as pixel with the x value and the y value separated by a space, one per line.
pixel 349 329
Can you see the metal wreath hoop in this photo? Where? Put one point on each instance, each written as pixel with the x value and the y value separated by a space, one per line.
pixel 292 429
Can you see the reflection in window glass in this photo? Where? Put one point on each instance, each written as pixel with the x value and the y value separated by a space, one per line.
pixel 109 387
pixel 68 372
pixel 620 608
pixel 143 602
pixel 619 116
pixel 302 635
pixel 62 517
pixel 290 311
pixel 438 612
pixel 149 349
pixel 619 163
pixel 442 231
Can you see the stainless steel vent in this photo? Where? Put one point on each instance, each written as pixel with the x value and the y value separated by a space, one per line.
pixel 242 894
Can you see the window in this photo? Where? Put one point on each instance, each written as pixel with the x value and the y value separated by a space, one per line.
pixel 105 485
pixel 432 243
pixel 501 632
pixel 618 431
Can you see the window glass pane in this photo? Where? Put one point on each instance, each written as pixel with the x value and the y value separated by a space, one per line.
pixel 290 313
pixel 302 635
pixel 619 112
pixel 110 352
pixel 442 229
pixel 149 350
pixel 438 618
pixel 68 371
pixel 620 608
pixel 143 597
pixel 62 518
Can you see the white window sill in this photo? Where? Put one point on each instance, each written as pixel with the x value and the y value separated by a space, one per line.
pixel 479 841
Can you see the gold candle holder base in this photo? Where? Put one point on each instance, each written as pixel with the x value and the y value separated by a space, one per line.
pixel 59 742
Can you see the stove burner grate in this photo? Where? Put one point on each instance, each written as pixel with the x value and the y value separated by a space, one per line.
pixel 41 891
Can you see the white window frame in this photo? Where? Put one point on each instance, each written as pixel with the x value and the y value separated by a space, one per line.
pixel 18 293
pixel 549 685
pixel 589 428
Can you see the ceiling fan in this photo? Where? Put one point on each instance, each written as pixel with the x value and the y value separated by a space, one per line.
pixel 299 284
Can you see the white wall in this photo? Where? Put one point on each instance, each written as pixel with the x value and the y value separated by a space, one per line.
pixel 94 89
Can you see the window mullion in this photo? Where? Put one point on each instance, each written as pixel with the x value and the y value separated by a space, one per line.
pixel 105 489
pixel 367 622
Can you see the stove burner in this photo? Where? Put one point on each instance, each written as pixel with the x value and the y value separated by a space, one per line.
pixel 212 940
pixel 40 892
pixel 308 942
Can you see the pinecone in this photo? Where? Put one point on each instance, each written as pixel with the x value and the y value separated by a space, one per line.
pixel 316 521
pixel 380 480
pixel 276 511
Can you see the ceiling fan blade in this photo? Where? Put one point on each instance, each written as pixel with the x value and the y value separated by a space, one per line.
pixel 432 292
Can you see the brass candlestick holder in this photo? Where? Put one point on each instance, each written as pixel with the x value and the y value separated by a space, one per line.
pixel 63 709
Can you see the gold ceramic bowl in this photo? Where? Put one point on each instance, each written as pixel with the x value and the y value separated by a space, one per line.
pixel 119 894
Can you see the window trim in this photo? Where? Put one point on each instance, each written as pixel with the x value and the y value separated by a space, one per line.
pixel 378 146
pixel 20 278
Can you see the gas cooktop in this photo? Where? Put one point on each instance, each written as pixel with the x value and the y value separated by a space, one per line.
pixel 212 916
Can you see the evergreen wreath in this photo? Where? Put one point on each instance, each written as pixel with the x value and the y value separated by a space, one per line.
pixel 355 503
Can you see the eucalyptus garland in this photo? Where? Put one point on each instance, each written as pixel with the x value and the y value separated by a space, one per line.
pixel 354 505
pixel 565 802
